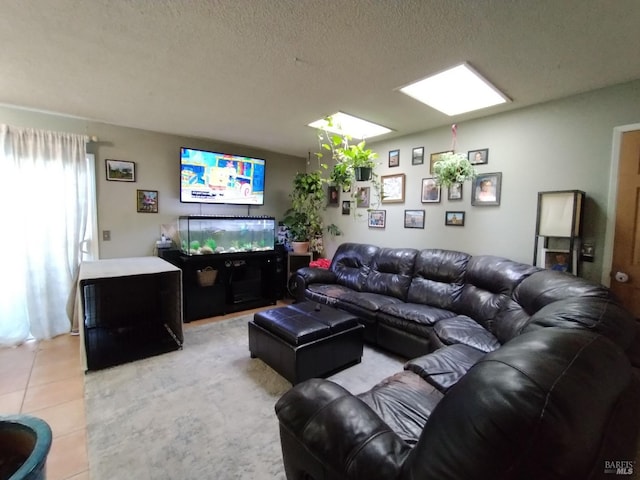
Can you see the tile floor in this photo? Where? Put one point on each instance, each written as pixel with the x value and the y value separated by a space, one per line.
pixel 45 379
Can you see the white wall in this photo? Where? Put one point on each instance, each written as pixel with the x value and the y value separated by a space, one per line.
pixel 157 158
pixel 560 145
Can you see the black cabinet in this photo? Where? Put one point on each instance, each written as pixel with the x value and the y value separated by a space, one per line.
pixel 131 308
pixel 243 281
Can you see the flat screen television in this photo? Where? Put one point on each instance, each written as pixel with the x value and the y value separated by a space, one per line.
pixel 214 177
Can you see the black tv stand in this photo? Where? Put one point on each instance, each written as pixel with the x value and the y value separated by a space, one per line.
pixel 244 280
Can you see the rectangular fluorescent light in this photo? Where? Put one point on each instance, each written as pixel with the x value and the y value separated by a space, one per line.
pixel 344 123
pixel 458 90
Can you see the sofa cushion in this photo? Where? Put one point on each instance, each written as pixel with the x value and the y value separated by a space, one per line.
pixel 444 367
pixel 591 313
pixel 327 293
pixel 404 402
pixel 391 272
pixel 370 302
pixel 437 277
pixel 465 330
pixel 509 321
pixel 351 264
pixel 547 286
pixel 489 282
pixel 412 313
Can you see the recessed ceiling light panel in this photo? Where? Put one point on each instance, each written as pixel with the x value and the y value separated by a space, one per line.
pixel 458 90
pixel 344 123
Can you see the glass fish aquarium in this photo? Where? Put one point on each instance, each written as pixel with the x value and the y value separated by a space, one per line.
pixel 214 234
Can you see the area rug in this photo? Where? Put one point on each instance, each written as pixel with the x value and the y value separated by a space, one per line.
pixel 203 412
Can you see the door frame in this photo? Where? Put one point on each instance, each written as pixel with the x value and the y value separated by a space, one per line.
pixel 607 256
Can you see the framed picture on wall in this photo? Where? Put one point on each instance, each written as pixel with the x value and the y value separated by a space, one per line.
pixel 434 158
pixel 455 191
pixel 430 191
pixel 393 188
pixel 417 156
pixel 333 196
pixel 478 157
pixel 394 158
pixel 147 201
pixel 486 189
pixel 362 197
pixel 120 170
pixel 346 207
pixel 454 219
pixel 414 219
pixel 377 218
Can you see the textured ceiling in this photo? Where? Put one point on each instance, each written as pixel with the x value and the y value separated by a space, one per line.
pixel 255 72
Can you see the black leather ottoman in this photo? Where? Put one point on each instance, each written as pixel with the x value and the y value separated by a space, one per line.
pixel 306 340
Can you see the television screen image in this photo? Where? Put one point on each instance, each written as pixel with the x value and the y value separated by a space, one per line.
pixel 213 177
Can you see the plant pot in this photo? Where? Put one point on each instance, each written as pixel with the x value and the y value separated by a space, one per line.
pixel 24 445
pixel 300 247
pixel 362 174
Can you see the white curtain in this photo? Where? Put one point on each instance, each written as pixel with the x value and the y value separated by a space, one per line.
pixel 44 197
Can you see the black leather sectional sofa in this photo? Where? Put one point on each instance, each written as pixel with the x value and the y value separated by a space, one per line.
pixel 513 372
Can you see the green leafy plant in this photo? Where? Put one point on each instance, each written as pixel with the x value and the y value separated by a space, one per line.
pixel 347 156
pixel 308 199
pixel 453 168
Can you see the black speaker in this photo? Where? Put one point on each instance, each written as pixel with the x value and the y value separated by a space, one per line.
pixel 281 271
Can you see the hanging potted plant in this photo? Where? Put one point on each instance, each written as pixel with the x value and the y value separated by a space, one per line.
pixel 453 168
pixel 354 162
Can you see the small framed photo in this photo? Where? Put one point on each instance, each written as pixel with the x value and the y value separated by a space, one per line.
pixel 478 157
pixel 454 219
pixel 147 201
pixel 434 158
pixel 346 207
pixel 455 191
pixel 486 189
pixel 430 191
pixel 559 260
pixel 377 218
pixel 362 197
pixel 333 196
pixel 414 219
pixel 120 171
pixel 393 188
pixel 417 156
pixel 394 158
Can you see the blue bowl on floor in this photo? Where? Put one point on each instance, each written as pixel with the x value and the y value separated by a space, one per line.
pixel 24 445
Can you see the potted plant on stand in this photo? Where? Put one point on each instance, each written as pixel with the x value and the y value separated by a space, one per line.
pixel 453 168
pixel 303 219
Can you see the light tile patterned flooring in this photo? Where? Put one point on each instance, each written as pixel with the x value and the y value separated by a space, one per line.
pixel 45 379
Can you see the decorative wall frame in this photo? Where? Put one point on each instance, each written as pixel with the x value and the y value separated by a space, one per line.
pixel 430 191
pixel 346 207
pixel 454 192
pixel 120 170
pixel 417 156
pixel 478 157
pixel 486 189
pixel 363 197
pixel 394 158
pixel 454 219
pixel 559 260
pixel 377 218
pixel 414 219
pixel 393 188
pixel 435 157
pixel 147 201
pixel 333 196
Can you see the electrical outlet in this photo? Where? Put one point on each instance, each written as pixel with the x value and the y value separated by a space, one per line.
pixel 106 235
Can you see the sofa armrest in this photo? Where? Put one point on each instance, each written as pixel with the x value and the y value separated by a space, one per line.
pixel 305 276
pixel 338 432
